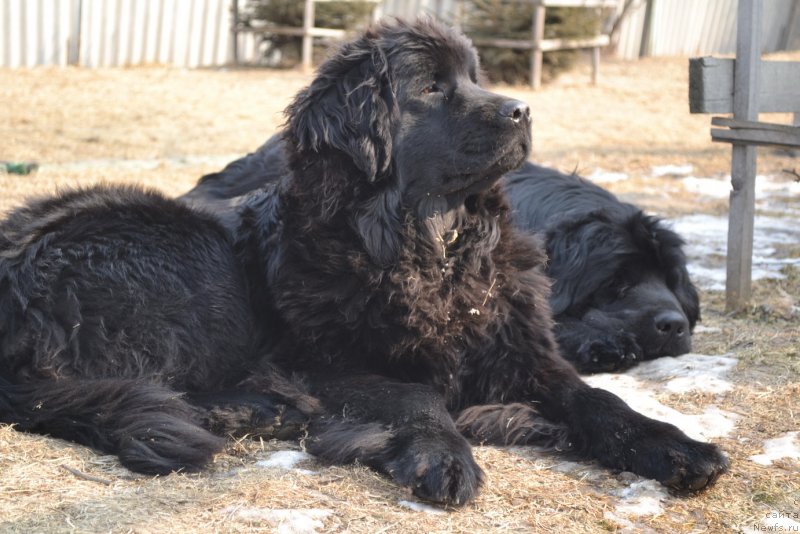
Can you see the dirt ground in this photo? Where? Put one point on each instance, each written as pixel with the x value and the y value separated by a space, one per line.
pixel 166 127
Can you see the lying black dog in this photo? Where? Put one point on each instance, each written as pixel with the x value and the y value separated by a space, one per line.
pixel 621 290
pixel 382 270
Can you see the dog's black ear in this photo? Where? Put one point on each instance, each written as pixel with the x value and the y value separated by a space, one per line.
pixel 379 224
pixel 349 107
pixel 670 253
pixel 681 285
pixel 577 265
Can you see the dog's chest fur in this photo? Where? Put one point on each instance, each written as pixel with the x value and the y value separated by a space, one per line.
pixel 443 300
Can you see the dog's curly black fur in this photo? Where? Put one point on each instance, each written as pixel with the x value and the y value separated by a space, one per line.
pixel 379 289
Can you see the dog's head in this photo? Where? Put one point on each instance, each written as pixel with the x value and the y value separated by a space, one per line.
pixel 629 271
pixel 398 120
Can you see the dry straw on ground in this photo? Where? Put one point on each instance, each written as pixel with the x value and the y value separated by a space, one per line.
pixel 166 127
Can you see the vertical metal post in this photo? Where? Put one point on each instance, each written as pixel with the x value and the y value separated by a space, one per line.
pixel 743 159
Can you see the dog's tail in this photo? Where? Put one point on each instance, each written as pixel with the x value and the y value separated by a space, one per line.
pixel 150 427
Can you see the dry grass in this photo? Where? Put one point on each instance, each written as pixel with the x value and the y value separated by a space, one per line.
pixel 637 117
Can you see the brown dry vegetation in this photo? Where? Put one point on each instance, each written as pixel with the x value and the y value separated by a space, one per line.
pixel 166 120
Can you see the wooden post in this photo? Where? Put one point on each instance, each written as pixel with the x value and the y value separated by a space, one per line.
pixel 308 39
pixel 74 48
pixel 794 14
pixel 647 29
pixel 743 161
pixel 595 64
pixel 235 31
pixel 537 27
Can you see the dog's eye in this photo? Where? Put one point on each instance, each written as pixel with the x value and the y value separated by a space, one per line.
pixel 432 88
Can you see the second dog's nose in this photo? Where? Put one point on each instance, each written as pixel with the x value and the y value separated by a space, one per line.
pixel 671 323
pixel 516 111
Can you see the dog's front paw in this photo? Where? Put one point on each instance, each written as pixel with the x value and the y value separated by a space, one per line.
pixel 609 353
pixel 437 472
pixel 666 454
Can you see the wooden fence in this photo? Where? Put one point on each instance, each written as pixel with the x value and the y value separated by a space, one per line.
pixel 745 86
pixel 196 33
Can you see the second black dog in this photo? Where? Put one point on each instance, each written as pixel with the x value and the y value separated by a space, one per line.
pixel 621 292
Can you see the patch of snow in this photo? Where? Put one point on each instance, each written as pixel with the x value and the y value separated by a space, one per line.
pixel 643 497
pixel 706 246
pixel 287 460
pixel 639 387
pixel 284 521
pixel 639 499
pixel 567 467
pixel 710 187
pixel 688 372
pixel 672 170
pixel 766 186
pixel 710 278
pixel 786 446
pixel 711 423
pixel 421 507
pixel 605 177
pixel 703 329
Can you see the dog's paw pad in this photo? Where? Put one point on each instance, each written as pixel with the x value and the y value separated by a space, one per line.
pixel 605 355
pixel 440 475
pixel 680 462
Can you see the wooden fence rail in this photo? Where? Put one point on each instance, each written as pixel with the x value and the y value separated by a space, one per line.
pixel 538 44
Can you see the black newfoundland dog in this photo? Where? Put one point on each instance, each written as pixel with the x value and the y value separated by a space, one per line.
pixel 621 291
pixel 378 290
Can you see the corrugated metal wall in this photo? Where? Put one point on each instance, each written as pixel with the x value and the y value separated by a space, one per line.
pixel 692 28
pixel 408 8
pixel 37 32
pixel 131 32
pixel 191 33
pixel 111 33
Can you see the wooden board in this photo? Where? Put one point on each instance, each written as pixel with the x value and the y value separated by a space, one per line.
pixel 756 125
pixel 711 86
pixel 757 136
pixel 577 3
pixel 293 31
pixel 546 45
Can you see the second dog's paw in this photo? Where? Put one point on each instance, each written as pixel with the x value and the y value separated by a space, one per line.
pixel 608 354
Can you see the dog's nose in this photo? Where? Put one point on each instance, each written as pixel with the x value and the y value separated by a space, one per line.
pixel 671 323
pixel 516 111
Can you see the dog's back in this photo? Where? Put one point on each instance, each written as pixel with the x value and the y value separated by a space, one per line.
pixel 540 196
pixel 248 173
